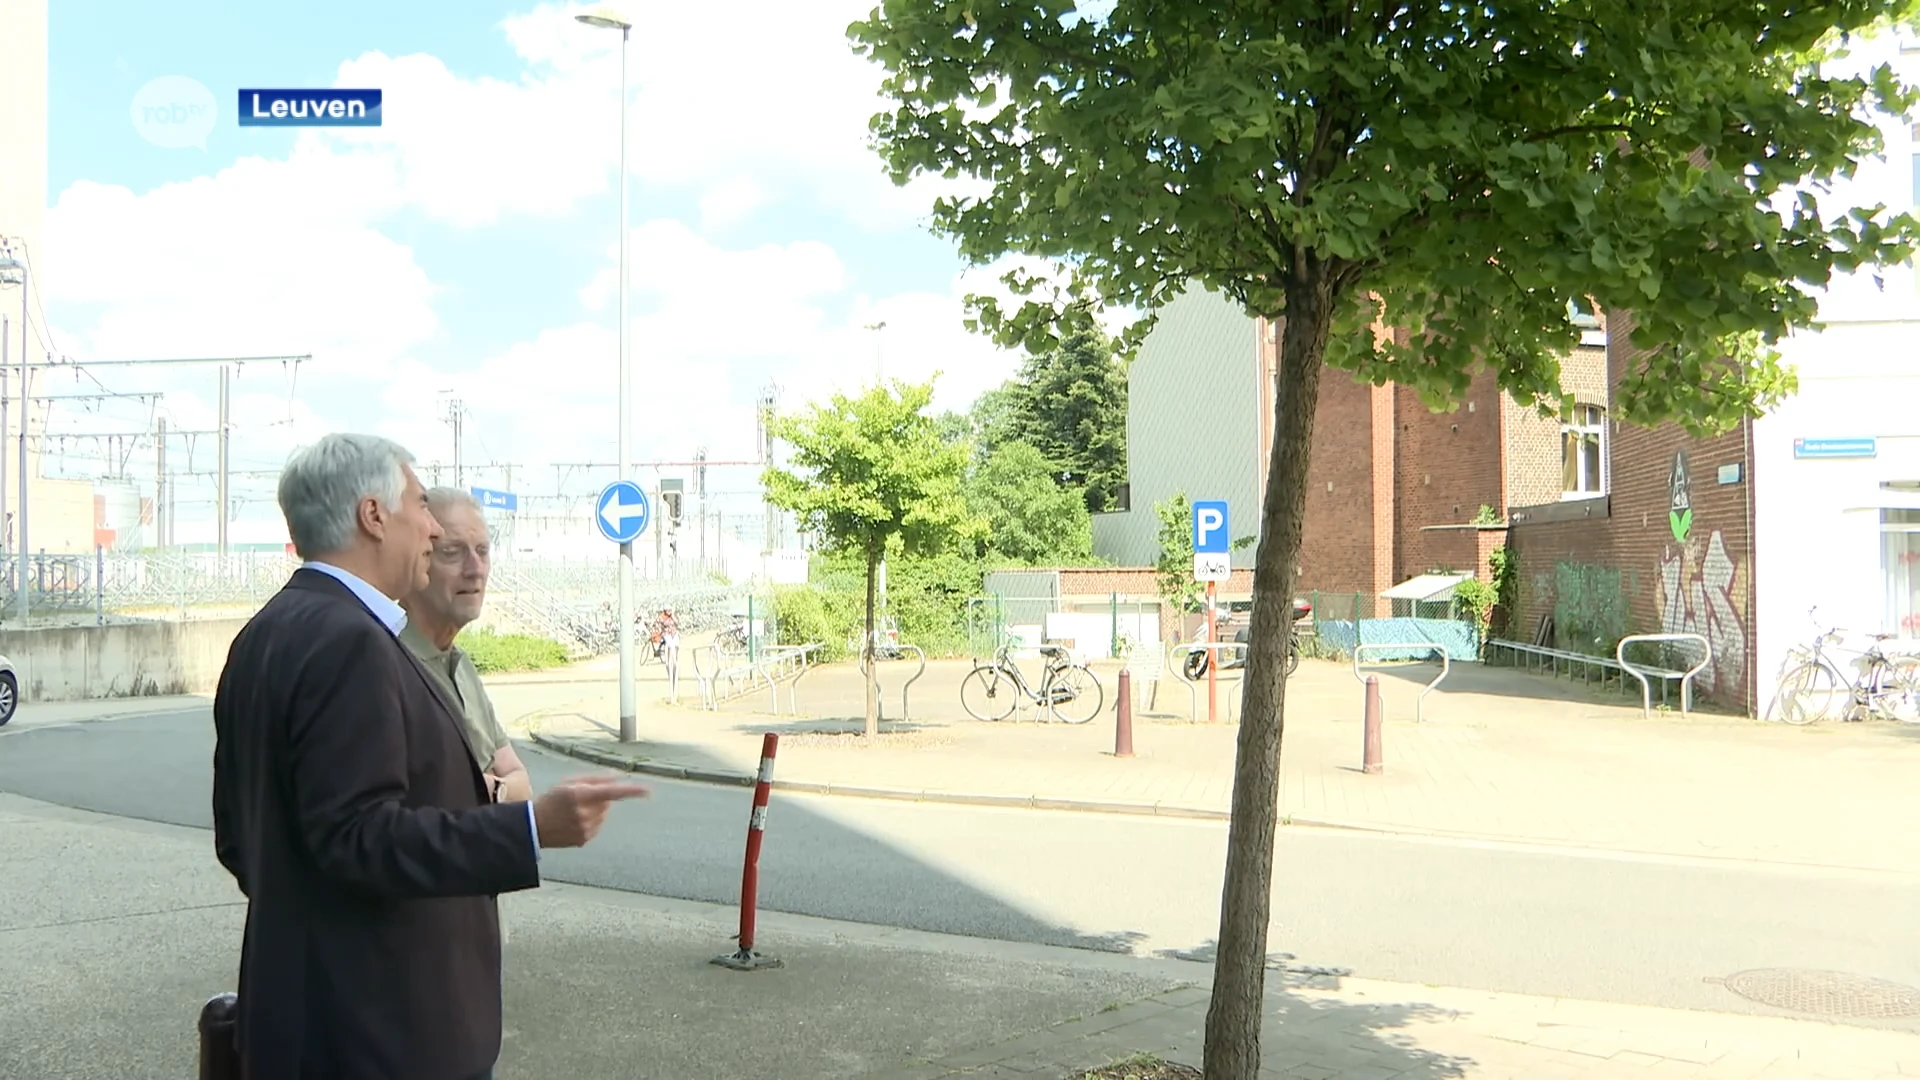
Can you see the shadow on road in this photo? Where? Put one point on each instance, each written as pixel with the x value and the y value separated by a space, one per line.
pixel 686 842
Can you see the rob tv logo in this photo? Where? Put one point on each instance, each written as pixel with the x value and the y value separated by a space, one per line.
pixel 309 108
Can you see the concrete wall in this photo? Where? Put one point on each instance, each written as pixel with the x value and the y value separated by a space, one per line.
pixel 1819 520
pixel 75 663
pixel 1193 425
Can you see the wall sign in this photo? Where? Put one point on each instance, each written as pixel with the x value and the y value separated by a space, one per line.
pixel 1680 498
pixel 1835 448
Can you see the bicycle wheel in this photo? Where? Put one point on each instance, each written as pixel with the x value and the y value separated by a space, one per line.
pixel 1293 653
pixel 1903 690
pixel 988 694
pixel 1196 665
pixel 1073 693
pixel 1811 692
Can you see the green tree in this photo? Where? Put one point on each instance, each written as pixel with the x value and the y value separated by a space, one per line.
pixel 1173 570
pixel 1070 403
pixel 870 471
pixel 1465 172
pixel 1031 520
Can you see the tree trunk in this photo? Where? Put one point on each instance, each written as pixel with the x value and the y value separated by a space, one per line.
pixel 1239 976
pixel 866 653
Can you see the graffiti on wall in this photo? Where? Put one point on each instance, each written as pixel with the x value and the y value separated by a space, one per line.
pixel 1702 591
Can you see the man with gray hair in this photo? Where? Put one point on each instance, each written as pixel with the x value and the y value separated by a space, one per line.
pixel 349 809
pixel 452 599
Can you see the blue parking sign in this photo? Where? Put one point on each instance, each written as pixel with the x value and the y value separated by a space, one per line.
pixel 1210 528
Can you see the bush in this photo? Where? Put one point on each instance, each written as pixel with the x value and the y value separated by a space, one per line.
pixel 809 615
pixel 493 652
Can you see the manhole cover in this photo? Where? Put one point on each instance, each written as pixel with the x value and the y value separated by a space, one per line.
pixel 1826 993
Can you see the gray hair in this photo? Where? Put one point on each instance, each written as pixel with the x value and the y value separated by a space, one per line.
pixel 440 498
pixel 322 485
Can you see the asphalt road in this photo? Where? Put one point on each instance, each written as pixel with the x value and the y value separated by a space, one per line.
pixel 1638 930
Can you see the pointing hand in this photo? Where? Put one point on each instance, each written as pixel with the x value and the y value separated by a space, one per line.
pixel 572 811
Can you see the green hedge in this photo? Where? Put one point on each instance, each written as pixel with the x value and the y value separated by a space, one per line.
pixel 492 652
pixel 926 596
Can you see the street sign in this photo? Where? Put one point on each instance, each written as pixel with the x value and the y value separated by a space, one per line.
pixel 621 512
pixel 490 499
pixel 1835 448
pixel 1212 566
pixel 1210 528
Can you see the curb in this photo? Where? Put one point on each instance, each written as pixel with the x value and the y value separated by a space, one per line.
pixel 586 751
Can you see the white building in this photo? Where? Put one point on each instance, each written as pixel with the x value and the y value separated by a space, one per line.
pixel 1836 468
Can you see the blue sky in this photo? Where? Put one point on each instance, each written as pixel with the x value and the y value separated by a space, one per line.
pixel 468 244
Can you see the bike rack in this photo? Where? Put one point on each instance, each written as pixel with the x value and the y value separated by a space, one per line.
pixel 705 677
pixel 803 656
pixel 1446 665
pixel 1685 677
pixel 1188 648
pixel 861 664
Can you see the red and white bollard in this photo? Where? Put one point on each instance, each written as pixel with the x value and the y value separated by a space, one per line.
pixel 745 959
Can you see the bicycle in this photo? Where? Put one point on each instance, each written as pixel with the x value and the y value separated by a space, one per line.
pixel 1070 691
pixel 1812 685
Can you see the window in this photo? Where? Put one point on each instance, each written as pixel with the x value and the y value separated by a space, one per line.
pixel 1900 564
pixel 1583 453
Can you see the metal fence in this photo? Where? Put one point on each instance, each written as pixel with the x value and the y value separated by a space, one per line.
pixel 159 584
pixel 571 601
pixel 1343 620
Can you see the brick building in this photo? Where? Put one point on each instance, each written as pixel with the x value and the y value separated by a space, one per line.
pixel 1666 546
pixel 1814 507
pixel 1394 489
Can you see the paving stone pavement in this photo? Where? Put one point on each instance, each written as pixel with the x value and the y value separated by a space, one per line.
pixel 1501 755
pixel 1353 1029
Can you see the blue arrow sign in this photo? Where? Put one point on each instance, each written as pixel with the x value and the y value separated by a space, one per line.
pixel 490 499
pixel 1210 528
pixel 621 513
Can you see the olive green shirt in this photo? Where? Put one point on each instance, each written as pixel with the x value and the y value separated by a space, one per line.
pixel 453 669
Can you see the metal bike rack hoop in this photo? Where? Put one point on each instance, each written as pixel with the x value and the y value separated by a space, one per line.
pixel 1446 665
pixel 1686 677
pixel 708 699
pixel 1186 649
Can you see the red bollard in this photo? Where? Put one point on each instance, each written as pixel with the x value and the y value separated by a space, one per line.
pixel 745 959
pixel 1123 717
pixel 1370 756
pixel 219 1055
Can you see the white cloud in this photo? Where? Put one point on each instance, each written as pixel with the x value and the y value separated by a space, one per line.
pixel 260 259
pixel 300 256
pixel 775 102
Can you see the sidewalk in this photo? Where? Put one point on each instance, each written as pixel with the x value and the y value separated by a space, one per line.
pixel 117 931
pixel 1501 755
pixel 1356 1029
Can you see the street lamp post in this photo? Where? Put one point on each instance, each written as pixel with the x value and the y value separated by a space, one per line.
pixel 12 270
pixel 607 20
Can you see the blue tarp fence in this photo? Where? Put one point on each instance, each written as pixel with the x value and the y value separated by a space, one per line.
pixel 1461 638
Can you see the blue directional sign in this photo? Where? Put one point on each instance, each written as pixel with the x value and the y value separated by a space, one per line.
pixel 1835 448
pixel 490 499
pixel 621 512
pixel 1210 528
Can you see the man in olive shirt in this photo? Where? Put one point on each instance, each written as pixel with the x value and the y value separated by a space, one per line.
pixel 456 590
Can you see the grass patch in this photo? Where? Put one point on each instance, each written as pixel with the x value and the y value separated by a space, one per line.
pixel 493 652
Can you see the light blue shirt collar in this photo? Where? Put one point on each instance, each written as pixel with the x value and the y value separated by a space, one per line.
pixel 384 607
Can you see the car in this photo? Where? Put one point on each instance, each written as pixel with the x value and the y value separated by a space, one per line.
pixel 9 691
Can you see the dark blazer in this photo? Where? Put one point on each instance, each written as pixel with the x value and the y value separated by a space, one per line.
pixel 348 808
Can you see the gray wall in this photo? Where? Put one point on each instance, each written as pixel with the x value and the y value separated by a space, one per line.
pixel 72 663
pixel 1193 425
